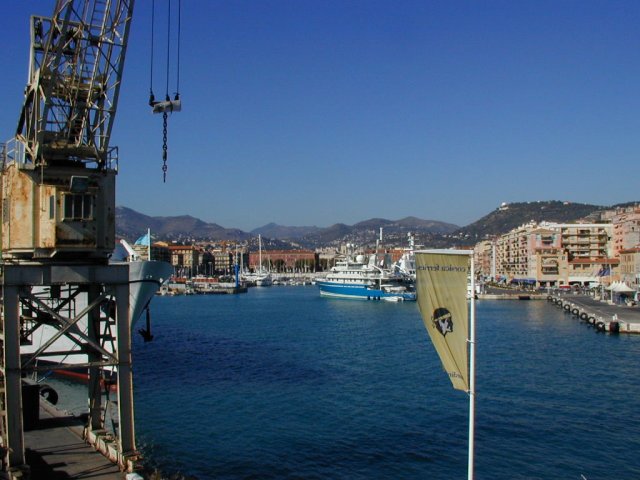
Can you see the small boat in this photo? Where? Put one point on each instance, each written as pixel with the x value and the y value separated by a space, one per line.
pixel 393 299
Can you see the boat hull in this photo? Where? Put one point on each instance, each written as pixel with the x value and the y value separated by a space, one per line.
pixel 359 291
pixel 145 278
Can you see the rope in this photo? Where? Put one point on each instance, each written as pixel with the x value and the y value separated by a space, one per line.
pixel 168 46
pixel 178 66
pixel 153 22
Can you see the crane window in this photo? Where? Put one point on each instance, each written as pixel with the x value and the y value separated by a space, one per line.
pixel 78 206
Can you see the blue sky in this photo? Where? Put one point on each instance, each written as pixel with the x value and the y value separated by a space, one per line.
pixel 305 112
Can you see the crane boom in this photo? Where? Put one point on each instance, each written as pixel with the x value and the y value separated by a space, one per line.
pixel 75 72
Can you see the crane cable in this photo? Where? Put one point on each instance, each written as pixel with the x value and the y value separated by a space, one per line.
pixel 168 105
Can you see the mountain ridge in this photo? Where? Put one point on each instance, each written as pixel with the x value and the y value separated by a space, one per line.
pixel 131 224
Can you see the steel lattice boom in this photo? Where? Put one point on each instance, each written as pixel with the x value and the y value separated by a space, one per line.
pixel 75 72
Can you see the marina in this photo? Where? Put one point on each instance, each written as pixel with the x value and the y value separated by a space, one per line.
pixel 284 383
pixel 288 380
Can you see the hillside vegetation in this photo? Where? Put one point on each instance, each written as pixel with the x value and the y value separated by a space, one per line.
pixel 512 215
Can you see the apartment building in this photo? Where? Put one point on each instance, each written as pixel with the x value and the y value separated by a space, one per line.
pixel 585 240
pixel 185 255
pixel 552 254
pixel 630 267
pixel 483 258
pixel 626 229
pixel 513 253
pixel 548 263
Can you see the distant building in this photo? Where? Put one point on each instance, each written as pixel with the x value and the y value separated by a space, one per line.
pixel 484 259
pixel 552 254
pixel 285 260
pixel 185 259
pixel 626 229
pixel 159 251
pixel 630 267
pixel 223 262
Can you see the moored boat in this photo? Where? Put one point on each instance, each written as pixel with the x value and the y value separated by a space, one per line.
pixel 360 279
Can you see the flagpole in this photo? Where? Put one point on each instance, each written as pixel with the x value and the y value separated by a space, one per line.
pixel 472 371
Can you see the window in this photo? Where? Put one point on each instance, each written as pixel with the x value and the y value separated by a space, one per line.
pixel 78 206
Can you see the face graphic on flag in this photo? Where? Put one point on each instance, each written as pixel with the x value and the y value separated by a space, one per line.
pixel 442 321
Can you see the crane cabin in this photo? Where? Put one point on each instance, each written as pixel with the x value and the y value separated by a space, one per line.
pixel 61 212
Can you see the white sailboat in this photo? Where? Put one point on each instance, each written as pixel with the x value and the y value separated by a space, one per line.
pixel 261 277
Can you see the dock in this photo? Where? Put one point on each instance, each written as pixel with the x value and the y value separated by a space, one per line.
pixel 55 450
pixel 603 316
pixel 511 296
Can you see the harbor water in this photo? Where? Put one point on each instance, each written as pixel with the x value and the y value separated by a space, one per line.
pixel 280 383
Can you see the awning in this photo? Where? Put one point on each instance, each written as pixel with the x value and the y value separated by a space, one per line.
pixel 623 288
pixel 620 287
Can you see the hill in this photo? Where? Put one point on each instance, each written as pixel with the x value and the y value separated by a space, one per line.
pixel 512 215
pixel 131 225
pixel 273 230
pixel 430 233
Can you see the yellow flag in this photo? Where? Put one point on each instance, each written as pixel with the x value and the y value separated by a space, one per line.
pixel 442 298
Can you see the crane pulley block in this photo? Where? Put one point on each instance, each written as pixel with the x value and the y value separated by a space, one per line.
pixel 169 106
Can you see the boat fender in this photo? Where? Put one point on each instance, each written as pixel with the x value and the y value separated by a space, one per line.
pixel 584 316
pixel 575 311
pixel 614 327
pixel 592 320
pixel 567 307
pixel 49 394
pixel 600 326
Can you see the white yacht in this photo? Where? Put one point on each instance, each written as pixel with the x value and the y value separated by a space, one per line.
pixel 366 279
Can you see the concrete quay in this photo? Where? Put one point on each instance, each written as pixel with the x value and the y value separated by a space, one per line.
pixel 604 317
pixel 512 296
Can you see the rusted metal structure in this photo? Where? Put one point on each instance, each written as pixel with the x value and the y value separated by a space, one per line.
pixel 58 220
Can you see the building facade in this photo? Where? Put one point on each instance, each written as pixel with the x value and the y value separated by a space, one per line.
pixel 630 267
pixel 553 254
pixel 626 229
pixel 285 261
